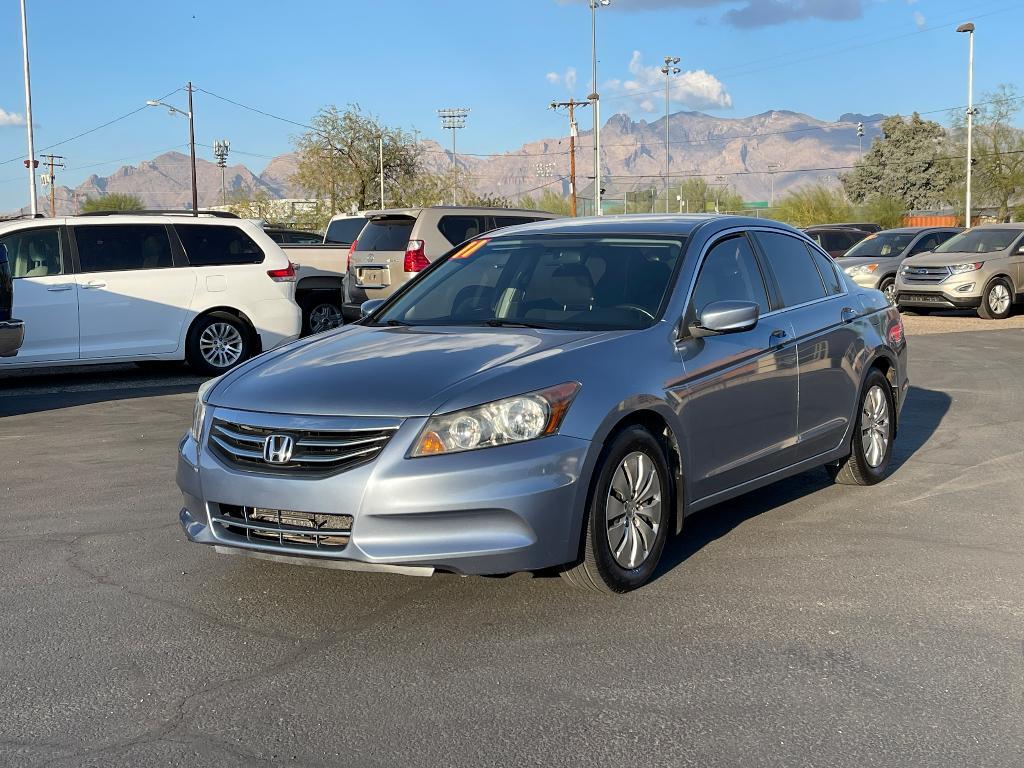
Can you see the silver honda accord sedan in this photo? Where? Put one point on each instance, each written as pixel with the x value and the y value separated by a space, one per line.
pixel 553 395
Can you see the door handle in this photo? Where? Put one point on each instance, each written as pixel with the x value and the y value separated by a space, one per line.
pixel 56 288
pixel 95 284
pixel 778 337
pixel 849 314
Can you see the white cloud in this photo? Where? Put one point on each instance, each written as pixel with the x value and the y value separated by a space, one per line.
pixel 568 78
pixel 697 89
pixel 10 118
pixel 919 19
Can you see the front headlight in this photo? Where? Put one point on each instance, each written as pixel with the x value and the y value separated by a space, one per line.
pixel 861 269
pixel 199 410
pixel 512 420
pixel 959 269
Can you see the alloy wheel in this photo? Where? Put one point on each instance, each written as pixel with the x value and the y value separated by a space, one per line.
pixel 874 426
pixel 324 317
pixel 221 345
pixel 633 510
pixel 890 293
pixel 998 299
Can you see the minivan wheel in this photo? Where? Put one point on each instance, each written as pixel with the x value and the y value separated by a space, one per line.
pixel 997 302
pixel 217 343
pixel 873 434
pixel 630 511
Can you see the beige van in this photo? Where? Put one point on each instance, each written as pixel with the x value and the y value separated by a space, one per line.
pixel 397 244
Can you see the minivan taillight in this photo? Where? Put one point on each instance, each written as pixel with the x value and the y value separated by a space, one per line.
pixel 415 258
pixel 348 259
pixel 286 275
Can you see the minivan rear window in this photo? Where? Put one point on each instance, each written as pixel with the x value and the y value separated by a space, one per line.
pixel 344 231
pixel 208 245
pixel 386 234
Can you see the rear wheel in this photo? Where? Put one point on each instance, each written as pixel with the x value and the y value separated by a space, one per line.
pixel 871 447
pixel 217 343
pixel 320 313
pixel 997 302
pixel 628 518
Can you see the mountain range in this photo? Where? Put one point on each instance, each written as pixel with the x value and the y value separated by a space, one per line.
pixel 788 148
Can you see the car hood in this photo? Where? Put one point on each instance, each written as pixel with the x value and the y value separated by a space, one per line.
pixel 855 261
pixel 368 371
pixel 946 259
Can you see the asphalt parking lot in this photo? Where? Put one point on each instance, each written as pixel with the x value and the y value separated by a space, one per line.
pixel 807 624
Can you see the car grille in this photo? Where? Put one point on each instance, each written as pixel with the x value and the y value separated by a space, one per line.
pixel 314 452
pixel 283 527
pixel 926 274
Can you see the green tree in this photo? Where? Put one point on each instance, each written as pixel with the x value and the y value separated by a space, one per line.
pixel 886 211
pixel 339 159
pixel 115 201
pixel 815 204
pixel 998 152
pixel 910 162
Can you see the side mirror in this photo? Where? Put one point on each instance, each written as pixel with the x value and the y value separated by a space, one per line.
pixel 726 317
pixel 369 307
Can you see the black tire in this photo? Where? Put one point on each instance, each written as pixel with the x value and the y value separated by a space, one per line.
pixel 888 284
pixel 989 312
pixel 318 307
pixel 597 569
pixel 856 469
pixel 207 364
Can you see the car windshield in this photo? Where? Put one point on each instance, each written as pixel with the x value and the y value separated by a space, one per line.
pixel 579 283
pixel 979 241
pixel 884 244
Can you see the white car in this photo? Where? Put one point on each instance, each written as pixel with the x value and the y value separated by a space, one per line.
pixel 137 287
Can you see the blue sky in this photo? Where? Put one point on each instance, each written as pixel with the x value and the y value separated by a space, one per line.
pixel 95 61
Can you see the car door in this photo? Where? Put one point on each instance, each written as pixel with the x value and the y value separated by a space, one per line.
pixel 45 294
pixel 133 297
pixel 738 405
pixel 814 300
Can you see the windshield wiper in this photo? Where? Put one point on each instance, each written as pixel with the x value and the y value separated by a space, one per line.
pixel 497 322
pixel 395 323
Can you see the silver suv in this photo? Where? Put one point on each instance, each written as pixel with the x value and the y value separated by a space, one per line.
pixel 875 260
pixel 981 268
pixel 397 244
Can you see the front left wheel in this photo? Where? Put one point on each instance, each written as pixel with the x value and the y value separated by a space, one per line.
pixel 629 514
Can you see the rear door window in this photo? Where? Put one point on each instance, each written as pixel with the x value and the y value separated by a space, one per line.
pixel 827 269
pixel 34 252
pixel 123 247
pixel 344 231
pixel 386 234
pixel 459 229
pixel 208 245
pixel 793 268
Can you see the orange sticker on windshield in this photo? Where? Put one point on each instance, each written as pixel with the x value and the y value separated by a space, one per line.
pixel 470 248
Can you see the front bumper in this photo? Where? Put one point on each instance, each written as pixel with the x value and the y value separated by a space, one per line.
pixel 914 298
pixel 496 510
pixel 12 336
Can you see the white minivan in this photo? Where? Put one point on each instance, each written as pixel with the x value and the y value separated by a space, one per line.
pixel 140 287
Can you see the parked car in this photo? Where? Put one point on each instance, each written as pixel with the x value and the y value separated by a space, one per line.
pixel 836 240
pixel 12 331
pixel 980 268
pixel 863 226
pixel 395 245
pixel 129 287
pixel 284 235
pixel 875 260
pixel 557 394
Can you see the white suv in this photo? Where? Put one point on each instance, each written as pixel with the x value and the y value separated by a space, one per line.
pixel 134 287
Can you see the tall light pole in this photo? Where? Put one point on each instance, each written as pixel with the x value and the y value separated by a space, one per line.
pixel 668 71
pixel 718 190
pixel 191 139
pixel 969 29
pixel 221 147
pixel 595 99
pixel 453 119
pixel 772 168
pixel 31 163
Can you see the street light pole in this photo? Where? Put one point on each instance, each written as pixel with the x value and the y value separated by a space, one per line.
pixel 969 29
pixel 668 70
pixel 453 119
pixel 31 162
pixel 595 99
pixel 191 139
pixel 772 168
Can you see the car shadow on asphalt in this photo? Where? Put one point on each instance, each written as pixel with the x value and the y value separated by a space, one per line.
pixel 920 418
pixel 46 391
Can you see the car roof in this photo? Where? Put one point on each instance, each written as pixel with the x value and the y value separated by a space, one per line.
pixel 637 224
pixel 1009 225
pixel 416 210
pixel 836 228
pixel 121 218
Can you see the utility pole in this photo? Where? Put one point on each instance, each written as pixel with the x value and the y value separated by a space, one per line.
pixel 54 161
pixel 595 100
pixel 221 147
pixel 571 105
pixel 718 190
pixel 31 163
pixel 772 168
pixel 969 29
pixel 860 137
pixel 191 138
pixel 453 118
pixel 380 150
pixel 668 71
